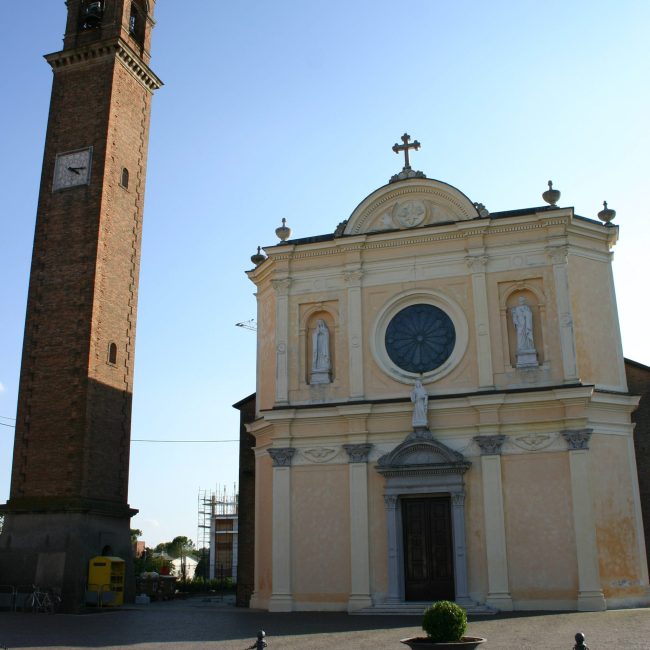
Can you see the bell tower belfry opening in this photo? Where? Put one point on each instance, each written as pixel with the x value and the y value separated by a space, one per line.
pixel 69 485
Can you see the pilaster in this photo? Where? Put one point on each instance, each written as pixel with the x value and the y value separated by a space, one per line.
pixel 495 531
pixel 559 258
pixel 391 504
pixel 477 263
pixel 460 548
pixel 590 593
pixel 281 596
pixel 355 332
pixel 281 287
pixel 359 537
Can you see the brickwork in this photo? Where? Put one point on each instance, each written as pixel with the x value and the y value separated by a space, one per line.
pixel 246 537
pixel 638 381
pixel 71 451
pixel 72 434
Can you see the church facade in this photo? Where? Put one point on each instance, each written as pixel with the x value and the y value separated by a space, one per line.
pixel 442 411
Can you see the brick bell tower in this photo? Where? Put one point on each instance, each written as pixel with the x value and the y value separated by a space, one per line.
pixel 68 499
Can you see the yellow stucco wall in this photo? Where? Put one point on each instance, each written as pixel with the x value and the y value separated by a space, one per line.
pixel 320 539
pixel 539 526
pixel 595 323
pixel 618 550
pixel 263 527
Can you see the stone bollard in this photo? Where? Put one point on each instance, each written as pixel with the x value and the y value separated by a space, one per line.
pixel 260 644
pixel 580 642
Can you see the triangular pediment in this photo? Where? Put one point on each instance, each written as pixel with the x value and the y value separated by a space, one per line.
pixel 409 204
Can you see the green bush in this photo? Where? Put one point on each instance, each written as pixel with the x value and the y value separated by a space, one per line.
pixel 444 622
pixel 201 586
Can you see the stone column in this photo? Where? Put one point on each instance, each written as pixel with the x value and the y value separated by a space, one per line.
pixel 281 596
pixel 559 258
pixel 355 333
pixel 281 340
pixel 590 593
pixel 391 504
pixel 359 533
pixel 460 549
pixel 495 529
pixel 477 264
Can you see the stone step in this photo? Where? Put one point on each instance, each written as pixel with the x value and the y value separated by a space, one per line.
pixel 417 609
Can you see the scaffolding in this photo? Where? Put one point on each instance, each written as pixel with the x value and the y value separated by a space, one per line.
pixel 217 532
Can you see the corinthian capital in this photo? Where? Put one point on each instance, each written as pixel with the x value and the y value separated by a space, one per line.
pixel 577 438
pixel 477 263
pixel 281 286
pixel 282 456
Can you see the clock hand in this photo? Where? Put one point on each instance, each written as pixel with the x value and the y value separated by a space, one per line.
pixel 76 169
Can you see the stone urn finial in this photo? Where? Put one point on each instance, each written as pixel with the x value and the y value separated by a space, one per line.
pixel 551 196
pixel 258 257
pixel 283 232
pixel 606 214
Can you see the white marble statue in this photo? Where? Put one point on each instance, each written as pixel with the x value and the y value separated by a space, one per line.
pixel 420 399
pixel 522 319
pixel 320 363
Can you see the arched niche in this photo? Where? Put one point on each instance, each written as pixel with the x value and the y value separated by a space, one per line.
pixel 533 294
pixel 310 318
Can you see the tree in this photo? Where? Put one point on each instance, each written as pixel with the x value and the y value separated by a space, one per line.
pixel 179 547
pixel 135 533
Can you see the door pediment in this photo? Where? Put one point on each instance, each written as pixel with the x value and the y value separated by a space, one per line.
pixel 422 453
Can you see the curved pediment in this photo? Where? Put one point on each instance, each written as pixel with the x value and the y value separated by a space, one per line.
pixel 422 451
pixel 410 203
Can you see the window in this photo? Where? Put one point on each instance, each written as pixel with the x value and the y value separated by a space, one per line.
pixel 112 354
pixel 124 181
pixel 137 23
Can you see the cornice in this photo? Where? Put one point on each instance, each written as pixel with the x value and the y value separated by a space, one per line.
pixel 96 52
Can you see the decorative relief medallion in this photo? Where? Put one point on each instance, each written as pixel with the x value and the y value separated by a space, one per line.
pixel 409 214
pixel 420 338
pixel 533 441
pixel 319 454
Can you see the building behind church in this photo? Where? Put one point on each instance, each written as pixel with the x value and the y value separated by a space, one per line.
pixel 442 411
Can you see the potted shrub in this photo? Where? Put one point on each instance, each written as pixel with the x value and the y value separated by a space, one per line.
pixel 445 624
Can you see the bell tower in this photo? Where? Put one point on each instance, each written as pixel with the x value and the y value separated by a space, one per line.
pixel 68 499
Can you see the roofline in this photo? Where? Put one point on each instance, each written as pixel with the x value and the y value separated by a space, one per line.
pixel 504 214
pixel 636 364
pixel 243 401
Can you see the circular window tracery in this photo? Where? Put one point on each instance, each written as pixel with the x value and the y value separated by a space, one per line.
pixel 420 338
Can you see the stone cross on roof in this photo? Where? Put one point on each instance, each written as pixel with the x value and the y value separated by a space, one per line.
pixel 405 148
pixel 406 172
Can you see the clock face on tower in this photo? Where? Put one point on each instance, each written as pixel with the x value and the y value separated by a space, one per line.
pixel 72 168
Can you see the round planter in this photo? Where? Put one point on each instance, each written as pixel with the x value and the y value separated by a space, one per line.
pixel 423 643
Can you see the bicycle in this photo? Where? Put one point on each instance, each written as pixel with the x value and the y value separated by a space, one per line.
pixel 47 601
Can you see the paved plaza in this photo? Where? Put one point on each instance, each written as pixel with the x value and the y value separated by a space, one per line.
pixel 199 624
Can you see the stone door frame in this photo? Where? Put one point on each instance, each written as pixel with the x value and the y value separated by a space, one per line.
pixel 422 466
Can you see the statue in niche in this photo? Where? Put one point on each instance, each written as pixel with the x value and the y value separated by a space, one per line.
pixel 522 319
pixel 320 362
pixel 420 400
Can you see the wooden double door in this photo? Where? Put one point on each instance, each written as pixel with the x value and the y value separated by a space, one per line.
pixel 428 549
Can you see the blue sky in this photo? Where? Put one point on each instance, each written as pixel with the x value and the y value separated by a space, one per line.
pixel 290 109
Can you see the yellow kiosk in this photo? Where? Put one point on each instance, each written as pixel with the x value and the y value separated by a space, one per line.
pixel 106 580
